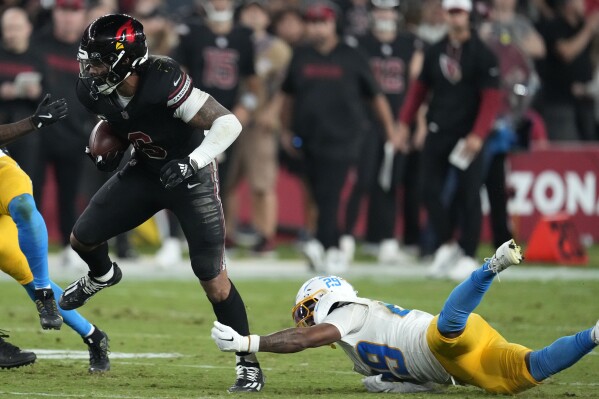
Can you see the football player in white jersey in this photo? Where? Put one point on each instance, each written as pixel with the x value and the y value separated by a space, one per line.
pixel 402 350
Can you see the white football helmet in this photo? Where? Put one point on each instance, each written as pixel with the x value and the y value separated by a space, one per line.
pixel 316 297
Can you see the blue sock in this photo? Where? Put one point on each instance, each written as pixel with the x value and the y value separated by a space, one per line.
pixel 72 318
pixel 33 237
pixel 463 300
pixel 560 355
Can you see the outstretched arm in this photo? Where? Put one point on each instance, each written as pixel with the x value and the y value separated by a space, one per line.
pixel 12 131
pixel 46 114
pixel 285 341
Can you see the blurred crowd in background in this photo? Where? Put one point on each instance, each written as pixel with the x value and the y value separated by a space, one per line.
pixel 266 61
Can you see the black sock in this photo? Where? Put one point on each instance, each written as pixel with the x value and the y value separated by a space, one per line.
pixel 231 312
pixel 97 260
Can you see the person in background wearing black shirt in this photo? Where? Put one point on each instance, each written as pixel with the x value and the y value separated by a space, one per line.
pixel 219 55
pixel 20 87
pixel 461 74
pixel 61 147
pixel 323 107
pixel 395 58
pixel 568 71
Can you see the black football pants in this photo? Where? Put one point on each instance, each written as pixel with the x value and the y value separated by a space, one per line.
pixel 133 195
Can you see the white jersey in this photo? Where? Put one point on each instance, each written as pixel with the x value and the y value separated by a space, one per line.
pixel 385 339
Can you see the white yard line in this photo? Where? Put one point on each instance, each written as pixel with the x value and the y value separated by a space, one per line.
pixel 145 268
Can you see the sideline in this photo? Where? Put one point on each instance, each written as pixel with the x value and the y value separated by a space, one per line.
pixel 145 268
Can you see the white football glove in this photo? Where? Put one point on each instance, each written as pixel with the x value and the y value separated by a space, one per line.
pixel 375 383
pixel 228 340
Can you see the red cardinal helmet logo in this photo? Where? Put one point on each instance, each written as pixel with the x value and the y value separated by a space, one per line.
pixel 125 34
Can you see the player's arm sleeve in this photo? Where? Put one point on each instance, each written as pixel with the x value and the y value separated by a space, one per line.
pixel 222 128
pixel 224 131
pixel 348 318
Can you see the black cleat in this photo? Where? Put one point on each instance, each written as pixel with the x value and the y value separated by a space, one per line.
pixel 249 377
pixel 98 348
pixel 80 291
pixel 50 318
pixel 11 356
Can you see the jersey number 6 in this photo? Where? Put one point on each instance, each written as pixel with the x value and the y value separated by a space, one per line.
pixel 142 142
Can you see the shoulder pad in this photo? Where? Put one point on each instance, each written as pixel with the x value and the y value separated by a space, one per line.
pixel 170 85
pixel 324 304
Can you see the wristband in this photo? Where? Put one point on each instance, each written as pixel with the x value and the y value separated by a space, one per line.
pixel 251 343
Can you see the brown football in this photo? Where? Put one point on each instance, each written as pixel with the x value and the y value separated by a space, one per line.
pixel 103 140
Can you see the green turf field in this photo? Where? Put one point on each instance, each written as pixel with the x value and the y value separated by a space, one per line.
pixel 175 318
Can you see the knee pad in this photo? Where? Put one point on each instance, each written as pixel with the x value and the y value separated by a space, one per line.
pixel 208 263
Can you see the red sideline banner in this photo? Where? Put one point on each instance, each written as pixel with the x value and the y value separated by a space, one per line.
pixel 558 180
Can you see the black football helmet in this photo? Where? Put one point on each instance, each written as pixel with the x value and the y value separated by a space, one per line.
pixel 115 42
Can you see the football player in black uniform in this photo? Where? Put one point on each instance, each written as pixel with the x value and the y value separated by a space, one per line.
pixel 152 103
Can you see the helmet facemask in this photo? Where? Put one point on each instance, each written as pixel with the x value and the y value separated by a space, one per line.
pixel 303 312
pixel 106 82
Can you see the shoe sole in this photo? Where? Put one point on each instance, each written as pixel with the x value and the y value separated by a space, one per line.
pixel 514 254
pixel 52 325
pixel 15 366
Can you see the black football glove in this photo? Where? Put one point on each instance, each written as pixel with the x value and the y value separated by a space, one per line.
pixel 107 163
pixel 176 171
pixel 48 112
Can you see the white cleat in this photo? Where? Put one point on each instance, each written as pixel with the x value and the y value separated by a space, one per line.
pixel 508 254
pixel 595 333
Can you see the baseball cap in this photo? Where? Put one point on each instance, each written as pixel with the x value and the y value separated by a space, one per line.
pixel 70 4
pixel 465 5
pixel 320 11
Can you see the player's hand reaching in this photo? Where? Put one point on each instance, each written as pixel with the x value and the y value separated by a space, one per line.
pixel 48 112
pixel 228 340
pixel 176 171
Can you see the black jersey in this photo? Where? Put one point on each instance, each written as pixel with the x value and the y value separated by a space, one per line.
pixel 390 63
pixel 148 120
pixel 456 78
pixel 328 90
pixel 13 67
pixel 217 63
